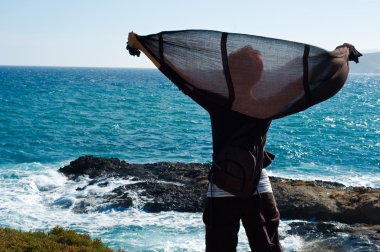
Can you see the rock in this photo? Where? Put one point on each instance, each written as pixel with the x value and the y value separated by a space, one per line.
pixel 322 236
pixel 309 200
pixel 182 187
pixel 81 207
pixel 119 198
pixel 157 197
pixel 92 166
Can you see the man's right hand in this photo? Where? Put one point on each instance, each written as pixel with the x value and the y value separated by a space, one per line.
pixel 133 42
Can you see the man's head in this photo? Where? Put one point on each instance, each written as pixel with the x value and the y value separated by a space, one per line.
pixel 246 66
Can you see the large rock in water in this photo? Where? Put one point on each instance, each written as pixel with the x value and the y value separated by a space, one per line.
pixel 182 187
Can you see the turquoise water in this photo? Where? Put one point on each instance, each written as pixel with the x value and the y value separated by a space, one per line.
pixel 50 116
pixel 55 114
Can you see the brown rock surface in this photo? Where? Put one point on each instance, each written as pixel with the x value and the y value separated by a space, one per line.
pixel 182 187
pixel 326 201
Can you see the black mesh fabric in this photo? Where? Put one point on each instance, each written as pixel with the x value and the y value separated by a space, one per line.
pixel 263 78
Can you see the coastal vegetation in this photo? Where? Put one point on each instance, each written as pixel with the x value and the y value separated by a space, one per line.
pixel 57 239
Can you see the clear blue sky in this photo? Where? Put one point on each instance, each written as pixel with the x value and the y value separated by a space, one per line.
pixel 94 33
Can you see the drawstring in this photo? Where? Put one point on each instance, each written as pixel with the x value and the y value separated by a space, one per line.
pixel 270 246
pixel 211 199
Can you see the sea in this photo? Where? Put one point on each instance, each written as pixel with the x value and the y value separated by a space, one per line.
pixel 50 116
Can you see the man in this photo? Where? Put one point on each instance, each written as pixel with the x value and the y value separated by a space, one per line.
pixel 223 211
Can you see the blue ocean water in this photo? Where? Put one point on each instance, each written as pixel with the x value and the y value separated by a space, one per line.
pixel 51 115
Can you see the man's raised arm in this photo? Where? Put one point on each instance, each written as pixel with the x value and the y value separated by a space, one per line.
pixel 134 42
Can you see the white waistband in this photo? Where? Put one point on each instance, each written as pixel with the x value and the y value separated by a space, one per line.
pixel 263 187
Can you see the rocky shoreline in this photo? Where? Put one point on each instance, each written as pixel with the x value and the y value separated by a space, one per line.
pixel 182 187
pixel 328 216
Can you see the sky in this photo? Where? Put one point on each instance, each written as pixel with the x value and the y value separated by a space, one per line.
pixel 94 33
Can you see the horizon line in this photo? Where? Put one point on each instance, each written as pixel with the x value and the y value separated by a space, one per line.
pixel 113 67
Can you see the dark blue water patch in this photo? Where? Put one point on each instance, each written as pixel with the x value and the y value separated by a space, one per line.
pixel 63 202
pixel 329 236
pixel 10 176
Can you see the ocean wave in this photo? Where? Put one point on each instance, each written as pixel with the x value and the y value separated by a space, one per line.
pixel 340 174
pixel 39 199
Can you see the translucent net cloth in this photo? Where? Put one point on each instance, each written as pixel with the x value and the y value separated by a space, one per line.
pixel 261 77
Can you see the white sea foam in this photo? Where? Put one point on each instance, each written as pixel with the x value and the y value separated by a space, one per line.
pixel 289 242
pixel 47 181
pixel 39 199
pixel 43 199
pixel 338 174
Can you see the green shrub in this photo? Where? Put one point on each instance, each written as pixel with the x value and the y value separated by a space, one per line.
pixel 58 239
